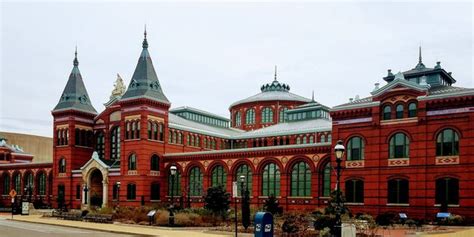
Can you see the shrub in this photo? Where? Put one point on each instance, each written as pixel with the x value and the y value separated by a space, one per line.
pixel 295 223
pixel 217 200
pixel 273 206
pixel 385 219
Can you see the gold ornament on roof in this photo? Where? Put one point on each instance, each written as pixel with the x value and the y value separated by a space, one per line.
pixel 119 88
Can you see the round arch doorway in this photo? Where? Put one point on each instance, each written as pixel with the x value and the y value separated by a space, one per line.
pixel 96 188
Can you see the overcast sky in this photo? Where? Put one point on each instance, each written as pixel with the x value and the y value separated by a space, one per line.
pixel 209 55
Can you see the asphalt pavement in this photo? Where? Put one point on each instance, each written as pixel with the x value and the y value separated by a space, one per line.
pixel 10 228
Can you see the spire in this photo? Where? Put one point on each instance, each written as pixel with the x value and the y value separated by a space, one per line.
pixel 275 76
pixel 145 42
pixel 75 62
pixel 420 64
pixel 75 96
pixel 312 97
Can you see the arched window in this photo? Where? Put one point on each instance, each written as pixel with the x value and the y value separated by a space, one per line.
pixel 398 191
pixel 174 184
pixel 155 131
pixel 267 115
pixel 132 162
pixel 62 165
pixel 355 149
pixel 399 146
pixel 115 143
pixel 155 163
pixel 29 180
pixel 355 191
pixel 161 133
pixel 17 182
pixel 42 183
pixel 301 180
pixel 100 145
pixel 247 172
pixel 149 129
pixel 447 143
pixel 195 181
pixel 127 131
pixel 250 116
pixel 6 183
pixel 311 139
pixel 238 119
pixel 282 115
pixel 399 110
pixel 218 176
pixel 387 112
pixel 326 180
pixel 447 191
pixel 412 110
pixel 131 191
pixel 323 138
pixel 298 140
pixel 271 180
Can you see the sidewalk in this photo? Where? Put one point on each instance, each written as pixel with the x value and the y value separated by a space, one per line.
pixel 121 228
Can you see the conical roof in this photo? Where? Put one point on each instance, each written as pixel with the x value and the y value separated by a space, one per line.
pixel 75 95
pixel 145 83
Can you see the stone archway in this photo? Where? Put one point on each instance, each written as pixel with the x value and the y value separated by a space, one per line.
pixel 96 188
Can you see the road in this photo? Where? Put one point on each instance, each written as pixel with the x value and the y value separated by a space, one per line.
pixel 22 229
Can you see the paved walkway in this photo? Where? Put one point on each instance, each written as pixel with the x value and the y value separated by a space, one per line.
pixel 122 228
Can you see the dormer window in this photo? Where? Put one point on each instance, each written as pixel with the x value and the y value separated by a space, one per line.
pixel 387 112
pixel 399 111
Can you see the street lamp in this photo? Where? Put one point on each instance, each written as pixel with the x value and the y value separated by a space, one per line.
pixel 118 192
pixel 242 181
pixel 173 169
pixel 85 193
pixel 339 150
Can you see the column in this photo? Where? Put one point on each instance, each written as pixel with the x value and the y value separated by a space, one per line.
pixel 105 192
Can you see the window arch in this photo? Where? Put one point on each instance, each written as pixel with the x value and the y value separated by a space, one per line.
pixel 399 111
pixel 42 183
pixel 174 184
pixel 17 182
pixel 267 115
pixel 326 180
pixel 412 110
pixel 271 180
pixel 100 144
pixel 398 191
pixel 155 163
pixel 301 180
pixel 250 116
pixel 447 143
pixel 62 165
pixel 447 191
pixel 131 191
pixel 115 143
pixel 29 180
pixel 387 112
pixel 247 172
pixel 238 119
pixel 355 191
pixel 355 148
pixel 218 176
pixel 282 115
pixel 6 183
pixel 399 146
pixel 323 138
pixel 132 162
pixel 195 181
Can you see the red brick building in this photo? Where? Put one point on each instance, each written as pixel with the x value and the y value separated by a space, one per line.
pixel 280 141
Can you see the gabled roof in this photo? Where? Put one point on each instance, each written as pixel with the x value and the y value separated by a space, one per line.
pixel 75 95
pixel 144 82
pixel 397 82
pixel 95 158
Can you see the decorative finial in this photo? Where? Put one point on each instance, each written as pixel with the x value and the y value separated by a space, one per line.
pixel 312 97
pixel 75 62
pixel 419 55
pixel 145 42
pixel 275 76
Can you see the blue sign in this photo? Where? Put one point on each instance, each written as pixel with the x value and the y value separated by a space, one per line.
pixel 263 224
pixel 443 215
pixel 402 215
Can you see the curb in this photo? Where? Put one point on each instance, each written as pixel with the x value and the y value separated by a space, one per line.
pixel 84 228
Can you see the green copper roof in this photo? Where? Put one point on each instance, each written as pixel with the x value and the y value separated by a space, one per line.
pixel 144 83
pixel 75 94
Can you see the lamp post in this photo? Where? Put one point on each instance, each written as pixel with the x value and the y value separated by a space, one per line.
pixel 85 194
pixel 339 150
pixel 171 216
pixel 118 192
pixel 242 181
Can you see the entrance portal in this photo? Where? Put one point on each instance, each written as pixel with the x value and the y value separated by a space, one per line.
pixel 96 188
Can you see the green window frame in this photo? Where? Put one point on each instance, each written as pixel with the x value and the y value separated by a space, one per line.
pixel 326 180
pixel 195 181
pixel 100 145
pixel 399 146
pixel 399 111
pixel 387 112
pixel 267 115
pixel 238 119
pixel 271 180
pixel 354 191
pixel 6 184
pixel 62 165
pixel 355 148
pixel 447 191
pixel 301 180
pixel 250 116
pixel 176 189
pixel 447 143
pixel 155 163
pixel 115 143
pixel 132 162
pixel 283 116
pixel 17 183
pixel 247 172
pixel 29 180
pixel 412 110
pixel 42 184
pixel 218 176
pixel 398 191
